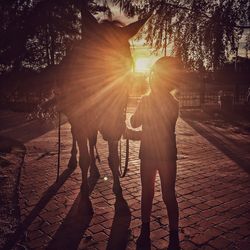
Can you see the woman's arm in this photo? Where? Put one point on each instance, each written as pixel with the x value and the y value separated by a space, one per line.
pixel 136 118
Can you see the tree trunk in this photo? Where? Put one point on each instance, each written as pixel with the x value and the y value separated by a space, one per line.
pixel 84 6
pixel 47 45
pixel 52 44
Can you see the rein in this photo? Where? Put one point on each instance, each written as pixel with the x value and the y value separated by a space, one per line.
pixel 124 172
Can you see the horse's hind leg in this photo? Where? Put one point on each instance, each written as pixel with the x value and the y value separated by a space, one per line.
pixel 114 166
pixel 94 172
pixel 73 159
pixel 84 161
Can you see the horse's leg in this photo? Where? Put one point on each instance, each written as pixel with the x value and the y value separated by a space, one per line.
pixel 94 172
pixel 81 137
pixel 73 160
pixel 84 161
pixel 114 166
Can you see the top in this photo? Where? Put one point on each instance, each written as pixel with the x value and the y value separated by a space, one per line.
pixel 157 114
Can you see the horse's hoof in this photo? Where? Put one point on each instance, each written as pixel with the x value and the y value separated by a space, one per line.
pixel 72 163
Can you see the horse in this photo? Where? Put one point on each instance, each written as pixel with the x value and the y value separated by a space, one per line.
pixel 94 90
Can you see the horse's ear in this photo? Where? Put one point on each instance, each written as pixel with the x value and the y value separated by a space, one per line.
pixel 133 28
pixel 89 20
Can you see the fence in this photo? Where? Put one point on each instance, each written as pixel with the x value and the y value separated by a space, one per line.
pixel 189 99
pixel 210 96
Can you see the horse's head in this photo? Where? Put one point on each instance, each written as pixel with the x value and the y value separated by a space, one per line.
pixel 108 45
pixel 99 71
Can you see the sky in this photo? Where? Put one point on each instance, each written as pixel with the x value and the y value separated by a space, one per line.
pixel 142 54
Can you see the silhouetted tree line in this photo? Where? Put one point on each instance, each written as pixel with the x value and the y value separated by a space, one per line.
pixel 37 34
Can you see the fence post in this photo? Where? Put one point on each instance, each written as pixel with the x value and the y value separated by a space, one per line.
pixel 59 146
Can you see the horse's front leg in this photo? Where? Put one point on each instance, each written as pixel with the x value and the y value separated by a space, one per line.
pixel 94 172
pixel 114 166
pixel 73 158
pixel 81 138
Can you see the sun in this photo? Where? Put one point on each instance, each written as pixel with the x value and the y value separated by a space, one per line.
pixel 143 64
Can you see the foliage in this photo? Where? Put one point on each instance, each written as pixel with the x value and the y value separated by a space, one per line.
pixel 247 45
pixel 202 32
pixel 37 34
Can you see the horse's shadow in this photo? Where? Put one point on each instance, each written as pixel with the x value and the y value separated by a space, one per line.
pixel 75 224
pixel 73 227
pixel 77 221
pixel 119 235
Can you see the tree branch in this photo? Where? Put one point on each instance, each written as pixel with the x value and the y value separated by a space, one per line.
pixel 242 26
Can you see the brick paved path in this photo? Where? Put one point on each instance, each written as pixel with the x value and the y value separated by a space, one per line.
pixel 213 194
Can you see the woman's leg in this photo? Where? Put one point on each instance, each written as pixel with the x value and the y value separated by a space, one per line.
pixel 148 173
pixel 167 173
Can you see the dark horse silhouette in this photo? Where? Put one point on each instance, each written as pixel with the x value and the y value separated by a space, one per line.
pixel 94 90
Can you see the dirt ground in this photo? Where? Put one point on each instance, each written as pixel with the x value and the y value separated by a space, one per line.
pixel 11 159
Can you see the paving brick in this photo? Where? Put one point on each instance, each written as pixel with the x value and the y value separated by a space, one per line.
pixel 160 244
pixel 220 243
pixel 100 236
pixel 96 228
pixel 158 234
pixel 187 245
pixel 34 234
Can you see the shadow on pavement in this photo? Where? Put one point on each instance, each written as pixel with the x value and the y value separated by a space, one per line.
pixel 70 233
pixel 119 235
pixel 17 127
pixel 28 131
pixel 218 139
pixel 51 191
pixel 92 182
pixel 8 144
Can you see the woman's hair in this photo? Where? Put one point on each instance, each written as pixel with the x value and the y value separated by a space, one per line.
pixel 166 64
pixel 165 71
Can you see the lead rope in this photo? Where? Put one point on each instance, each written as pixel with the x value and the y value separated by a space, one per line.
pixel 123 173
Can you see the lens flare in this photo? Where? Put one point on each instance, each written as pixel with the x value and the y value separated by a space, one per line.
pixel 143 64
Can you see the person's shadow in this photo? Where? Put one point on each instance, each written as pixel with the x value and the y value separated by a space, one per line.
pixel 119 235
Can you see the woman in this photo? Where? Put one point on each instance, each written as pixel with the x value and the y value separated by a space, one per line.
pixel 157 113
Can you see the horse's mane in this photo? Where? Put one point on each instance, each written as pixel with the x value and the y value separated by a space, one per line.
pixel 116 23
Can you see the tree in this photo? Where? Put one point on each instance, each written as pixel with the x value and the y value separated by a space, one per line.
pixel 247 45
pixel 37 34
pixel 201 32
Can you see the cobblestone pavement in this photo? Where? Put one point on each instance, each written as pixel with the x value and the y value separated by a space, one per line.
pixel 213 195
